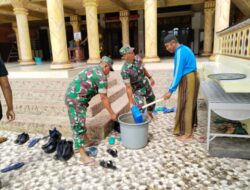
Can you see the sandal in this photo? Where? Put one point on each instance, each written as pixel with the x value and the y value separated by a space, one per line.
pixel 108 164
pixel 92 151
pixel 15 166
pixel 3 139
pixel 33 142
pixel 112 152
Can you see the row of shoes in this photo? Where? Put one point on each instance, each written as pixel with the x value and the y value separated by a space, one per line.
pixel 64 149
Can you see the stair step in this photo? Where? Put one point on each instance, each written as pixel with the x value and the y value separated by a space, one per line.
pixel 43 85
pixel 52 104
pixel 96 105
pixel 98 126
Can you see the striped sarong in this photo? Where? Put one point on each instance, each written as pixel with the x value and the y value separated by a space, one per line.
pixel 186 114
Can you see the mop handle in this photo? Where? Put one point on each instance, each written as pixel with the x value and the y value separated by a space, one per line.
pixel 154 102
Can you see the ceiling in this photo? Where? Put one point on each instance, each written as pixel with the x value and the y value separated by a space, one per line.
pixel 38 8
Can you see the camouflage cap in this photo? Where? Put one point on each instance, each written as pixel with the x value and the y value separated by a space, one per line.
pixel 126 49
pixel 109 61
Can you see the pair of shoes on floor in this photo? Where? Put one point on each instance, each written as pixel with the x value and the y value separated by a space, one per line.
pixel 11 167
pixel 54 138
pixel 22 138
pixel 110 164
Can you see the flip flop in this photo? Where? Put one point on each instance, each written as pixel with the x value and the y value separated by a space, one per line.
pixel 108 164
pixel 33 142
pixel 12 167
pixel 168 110
pixel 92 151
pixel 112 152
pixel 89 163
pixel 3 139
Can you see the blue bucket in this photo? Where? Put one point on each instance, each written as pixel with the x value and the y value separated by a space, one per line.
pixel 137 115
pixel 38 60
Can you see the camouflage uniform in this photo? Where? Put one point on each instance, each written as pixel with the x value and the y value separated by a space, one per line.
pixel 86 85
pixel 134 74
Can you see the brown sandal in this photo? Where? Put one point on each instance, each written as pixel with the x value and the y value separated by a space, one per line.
pixel 3 139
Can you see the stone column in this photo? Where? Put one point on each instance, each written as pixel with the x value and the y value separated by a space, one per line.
pixel 14 27
pixel 222 15
pixel 150 7
pixel 92 30
pixel 74 21
pixel 23 31
pixel 58 35
pixel 208 27
pixel 124 18
pixel 196 25
pixel 141 33
pixel 102 21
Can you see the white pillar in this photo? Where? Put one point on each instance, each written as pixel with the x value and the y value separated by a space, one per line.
pixel 23 31
pixel 150 7
pixel 124 18
pixel 222 16
pixel 58 35
pixel 92 30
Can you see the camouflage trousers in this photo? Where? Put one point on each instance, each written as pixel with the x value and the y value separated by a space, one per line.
pixel 148 94
pixel 77 117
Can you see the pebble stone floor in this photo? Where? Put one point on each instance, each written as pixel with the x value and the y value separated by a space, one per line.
pixel 163 164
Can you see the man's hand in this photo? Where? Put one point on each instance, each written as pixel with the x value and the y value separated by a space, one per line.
pixel 10 115
pixel 152 81
pixel 114 117
pixel 131 105
pixel 167 96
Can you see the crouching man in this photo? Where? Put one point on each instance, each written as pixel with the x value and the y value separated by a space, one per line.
pixel 88 83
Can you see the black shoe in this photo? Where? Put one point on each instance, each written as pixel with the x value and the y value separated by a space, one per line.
pixel 18 138
pixel 24 138
pixel 51 147
pixel 55 136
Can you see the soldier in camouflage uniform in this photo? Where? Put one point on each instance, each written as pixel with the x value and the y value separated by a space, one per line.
pixel 87 84
pixel 135 77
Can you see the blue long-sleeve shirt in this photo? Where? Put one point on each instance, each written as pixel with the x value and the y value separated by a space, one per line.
pixel 184 63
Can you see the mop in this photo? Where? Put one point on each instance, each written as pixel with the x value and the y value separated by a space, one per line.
pixel 137 113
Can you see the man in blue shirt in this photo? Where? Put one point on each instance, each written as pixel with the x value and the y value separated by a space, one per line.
pixel 186 77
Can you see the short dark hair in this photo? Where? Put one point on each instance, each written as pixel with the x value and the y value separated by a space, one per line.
pixel 169 38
